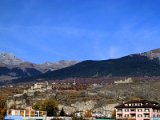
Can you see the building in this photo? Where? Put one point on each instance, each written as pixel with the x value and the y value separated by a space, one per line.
pixel 138 110
pixel 79 114
pixel 27 114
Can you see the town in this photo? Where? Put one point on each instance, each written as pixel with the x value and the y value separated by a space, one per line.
pixel 72 100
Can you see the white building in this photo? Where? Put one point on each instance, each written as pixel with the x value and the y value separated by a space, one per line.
pixel 28 114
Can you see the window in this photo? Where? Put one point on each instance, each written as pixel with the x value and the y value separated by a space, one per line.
pixel 22 112
pixel 154 115
pixel 119 110
pixel 133 115
pixel 126 115
pixel 126 104
pixel 126 110
pixel 139 115
pixel 132 110
pixel 36 113
pixel 139 110
pixel 146 110
pixel 119 115
pixel 146 116
pixel 32 113
pixel 27 113
pixel 154 110
pixel 40 113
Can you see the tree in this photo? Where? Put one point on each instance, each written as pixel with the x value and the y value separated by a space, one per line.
pixel 37 106
pixel 135 98
pixel 62 113
pixel 88 114
pixel 49 105
pixel 114 114
pixel 3 108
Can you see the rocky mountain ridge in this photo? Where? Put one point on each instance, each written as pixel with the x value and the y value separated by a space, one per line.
pixel 9 59
pixel 152 54
pixel 12 67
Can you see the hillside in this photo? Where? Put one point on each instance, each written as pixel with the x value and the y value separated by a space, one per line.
pixel 134 65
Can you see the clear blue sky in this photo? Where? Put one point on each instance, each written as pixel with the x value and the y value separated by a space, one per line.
pixel 52 30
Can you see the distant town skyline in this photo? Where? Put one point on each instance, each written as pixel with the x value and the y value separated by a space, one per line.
pixel 52 30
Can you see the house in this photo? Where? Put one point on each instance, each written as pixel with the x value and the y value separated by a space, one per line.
pixel 79 114
pixel 138 110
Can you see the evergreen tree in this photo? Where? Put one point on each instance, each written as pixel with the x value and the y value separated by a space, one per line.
pixel 62 113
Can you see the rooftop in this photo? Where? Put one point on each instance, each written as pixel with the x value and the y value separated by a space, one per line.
pixel 139 104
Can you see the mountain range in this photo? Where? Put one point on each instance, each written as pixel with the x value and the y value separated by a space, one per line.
pixel 12 67
pixel 134 65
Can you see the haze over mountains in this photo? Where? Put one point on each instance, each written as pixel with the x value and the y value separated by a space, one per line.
pixel 12 67
pixel 134 65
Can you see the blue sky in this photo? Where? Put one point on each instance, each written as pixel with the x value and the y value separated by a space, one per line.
pixel 52 30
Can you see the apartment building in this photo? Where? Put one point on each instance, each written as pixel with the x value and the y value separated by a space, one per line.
pixel 138 110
